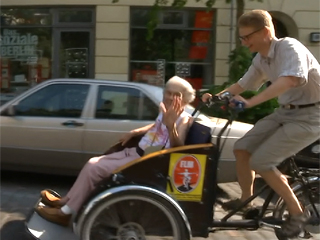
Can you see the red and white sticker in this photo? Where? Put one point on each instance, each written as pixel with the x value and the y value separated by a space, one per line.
pixel 186 174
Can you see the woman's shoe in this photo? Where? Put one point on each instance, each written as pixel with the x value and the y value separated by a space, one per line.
pixel 50 200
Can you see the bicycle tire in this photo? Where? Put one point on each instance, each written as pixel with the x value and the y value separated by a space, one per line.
pixel 280 211
pixel 142 214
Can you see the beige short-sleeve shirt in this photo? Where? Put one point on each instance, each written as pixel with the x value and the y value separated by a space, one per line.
pixel 286 57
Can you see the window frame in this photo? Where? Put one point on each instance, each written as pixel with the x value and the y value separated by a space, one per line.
pixel 56 23
pixel 48 86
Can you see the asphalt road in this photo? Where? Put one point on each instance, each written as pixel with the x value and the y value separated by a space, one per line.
pixel 20 192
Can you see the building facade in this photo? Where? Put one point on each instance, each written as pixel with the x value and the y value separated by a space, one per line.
pixel 104 40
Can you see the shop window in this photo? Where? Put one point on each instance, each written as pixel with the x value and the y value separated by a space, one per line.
pixel 25 17
pixel 25 57
pixel 35 48
pixel 182 45
pixel 75 16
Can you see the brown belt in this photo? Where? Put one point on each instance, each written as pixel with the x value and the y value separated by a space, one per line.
pixel 290 106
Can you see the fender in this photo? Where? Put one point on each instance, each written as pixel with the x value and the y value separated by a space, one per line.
pixel 107 193
pixel 295 187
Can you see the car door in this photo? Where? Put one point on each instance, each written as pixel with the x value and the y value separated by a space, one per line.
pixel 46 132
pixel 117 110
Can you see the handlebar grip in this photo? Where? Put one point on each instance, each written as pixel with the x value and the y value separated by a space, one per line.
pixel 238 105
pixel 225 96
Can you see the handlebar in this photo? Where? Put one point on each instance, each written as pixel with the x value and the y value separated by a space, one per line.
pixel 226 98
pixel 229 104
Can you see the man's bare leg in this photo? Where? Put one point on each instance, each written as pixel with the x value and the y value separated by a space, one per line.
pixel 279 184
pixel 244 173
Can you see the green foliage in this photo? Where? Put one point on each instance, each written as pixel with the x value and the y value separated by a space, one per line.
pixel 239 60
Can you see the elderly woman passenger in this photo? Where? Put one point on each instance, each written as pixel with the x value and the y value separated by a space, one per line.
pixel 169 130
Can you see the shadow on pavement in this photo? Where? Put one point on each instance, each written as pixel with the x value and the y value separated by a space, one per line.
pixel 15 230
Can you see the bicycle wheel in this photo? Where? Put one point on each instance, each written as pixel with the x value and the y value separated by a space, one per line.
pixel 281 211
pixel 134 215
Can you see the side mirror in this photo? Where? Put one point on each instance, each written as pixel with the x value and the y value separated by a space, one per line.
pixel 11 110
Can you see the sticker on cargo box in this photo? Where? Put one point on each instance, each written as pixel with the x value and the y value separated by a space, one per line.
pixel 186 176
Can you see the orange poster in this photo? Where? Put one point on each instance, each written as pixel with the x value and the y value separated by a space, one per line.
pixel 203 19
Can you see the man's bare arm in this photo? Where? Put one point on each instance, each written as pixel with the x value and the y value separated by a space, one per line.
pixel 234 89
pixel 278 87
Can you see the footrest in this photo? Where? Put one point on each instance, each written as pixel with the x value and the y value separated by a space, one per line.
pixel 41 229
pixel 44 230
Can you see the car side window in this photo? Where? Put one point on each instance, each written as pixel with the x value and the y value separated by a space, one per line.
pixel 55 100
pixel 124 103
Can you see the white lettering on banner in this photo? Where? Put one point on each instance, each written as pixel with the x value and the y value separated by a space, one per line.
pixel 19 40
pixel 19 47
pixel 186 164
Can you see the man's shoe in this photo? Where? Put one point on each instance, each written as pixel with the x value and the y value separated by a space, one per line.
pixel 50 200
pixel 233 205
pixel 54 215
pixel 293 226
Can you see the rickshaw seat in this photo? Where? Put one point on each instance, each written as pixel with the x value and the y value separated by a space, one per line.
pixel 197 134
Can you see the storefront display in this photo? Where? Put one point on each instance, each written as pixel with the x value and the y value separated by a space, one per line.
pixel 29 42
pixel 183 39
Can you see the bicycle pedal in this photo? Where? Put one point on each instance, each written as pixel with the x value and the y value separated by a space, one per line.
pixel 251 213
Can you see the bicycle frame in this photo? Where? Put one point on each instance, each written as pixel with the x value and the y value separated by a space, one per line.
pixel 195 207
pixel 257 219
pixel 298 175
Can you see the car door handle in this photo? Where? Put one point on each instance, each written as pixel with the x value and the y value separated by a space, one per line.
pixel 72 123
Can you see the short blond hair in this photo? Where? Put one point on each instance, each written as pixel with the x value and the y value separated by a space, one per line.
pixel 257 19
pixel 188 93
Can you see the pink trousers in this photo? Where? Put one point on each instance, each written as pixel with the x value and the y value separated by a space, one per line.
pixel 96 169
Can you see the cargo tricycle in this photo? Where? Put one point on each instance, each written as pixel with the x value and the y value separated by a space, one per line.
pixel 172 194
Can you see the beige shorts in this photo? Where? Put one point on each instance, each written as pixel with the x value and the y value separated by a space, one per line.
pixel 279 136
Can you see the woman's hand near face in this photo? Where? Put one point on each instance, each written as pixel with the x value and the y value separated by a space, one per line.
pixel 171 115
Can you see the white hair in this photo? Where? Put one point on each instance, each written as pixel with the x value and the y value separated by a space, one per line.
pixel 188 93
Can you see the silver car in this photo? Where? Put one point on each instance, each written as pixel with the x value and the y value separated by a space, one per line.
pixel 56 126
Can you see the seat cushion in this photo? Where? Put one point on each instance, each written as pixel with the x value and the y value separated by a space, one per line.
pixel 197 134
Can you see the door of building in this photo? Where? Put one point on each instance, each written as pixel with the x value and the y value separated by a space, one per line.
pixel 73 57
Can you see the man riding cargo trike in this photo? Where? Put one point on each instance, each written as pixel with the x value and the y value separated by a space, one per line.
pixel 171 194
